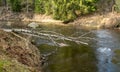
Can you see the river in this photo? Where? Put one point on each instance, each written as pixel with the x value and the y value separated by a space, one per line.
pixel 102 54
pixel 99 52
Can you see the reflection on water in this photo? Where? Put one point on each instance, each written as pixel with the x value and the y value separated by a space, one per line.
pixel 95 57
pixel 101 55
pixel 70 57
pixel 108 41
pixel 108 38
pixel 104 56
pixel 74 58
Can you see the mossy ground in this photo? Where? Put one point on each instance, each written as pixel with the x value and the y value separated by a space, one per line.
pixel 10 65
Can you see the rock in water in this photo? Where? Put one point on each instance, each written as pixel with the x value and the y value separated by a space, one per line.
pixel 33 25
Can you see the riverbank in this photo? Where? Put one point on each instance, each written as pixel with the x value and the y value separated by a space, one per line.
pixel 95 20
pixel 18 54
pixel 109 20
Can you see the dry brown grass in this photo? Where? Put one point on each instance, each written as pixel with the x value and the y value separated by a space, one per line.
pixel 15 48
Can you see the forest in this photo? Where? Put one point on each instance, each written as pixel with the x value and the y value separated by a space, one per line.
pixel 59 9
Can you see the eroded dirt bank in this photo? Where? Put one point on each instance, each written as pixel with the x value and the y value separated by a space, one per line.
pixel 109 20
pixel 95 20
pixel 17 54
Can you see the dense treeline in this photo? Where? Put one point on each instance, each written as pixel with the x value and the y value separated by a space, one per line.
pixel 60 9
pixel 65 9
pixel 117 6
pixel 18 5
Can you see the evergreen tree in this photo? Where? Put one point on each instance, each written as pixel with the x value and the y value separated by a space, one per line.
pixel 15 5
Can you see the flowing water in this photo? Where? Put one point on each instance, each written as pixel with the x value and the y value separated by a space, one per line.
pixel 100 54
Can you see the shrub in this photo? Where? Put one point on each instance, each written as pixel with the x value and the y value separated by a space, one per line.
pixel 65 9
pixel 15 5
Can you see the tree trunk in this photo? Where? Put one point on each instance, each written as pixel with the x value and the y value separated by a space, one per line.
pixel 3 2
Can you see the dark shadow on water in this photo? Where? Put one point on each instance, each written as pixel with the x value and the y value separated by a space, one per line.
pixel 73 58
